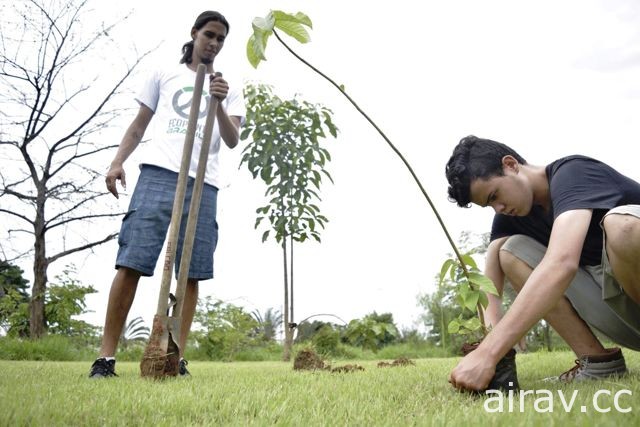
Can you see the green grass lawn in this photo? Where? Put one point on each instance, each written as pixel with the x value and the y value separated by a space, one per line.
pixel 265 393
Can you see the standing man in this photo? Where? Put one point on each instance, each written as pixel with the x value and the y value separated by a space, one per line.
pixel 567 236
pixel 166 95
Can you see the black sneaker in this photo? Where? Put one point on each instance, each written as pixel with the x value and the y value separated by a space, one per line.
pixel 182 370
pixel 103 368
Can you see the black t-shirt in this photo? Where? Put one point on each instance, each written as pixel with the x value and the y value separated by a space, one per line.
pixel 575 182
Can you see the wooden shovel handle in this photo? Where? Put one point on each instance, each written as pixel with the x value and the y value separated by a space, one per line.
pixel 181 185
pixel 194 207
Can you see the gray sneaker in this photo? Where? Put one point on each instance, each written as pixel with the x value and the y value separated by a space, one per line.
pixel 594 367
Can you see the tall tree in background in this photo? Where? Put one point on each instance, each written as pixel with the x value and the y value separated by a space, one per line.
pixel 285 152
pixel 53 107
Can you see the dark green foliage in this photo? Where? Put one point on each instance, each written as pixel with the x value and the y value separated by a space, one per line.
pixel 227 329
pixel 64 299
pixel 269 323
pixel 326 340
pixel 372 332
pixel 14 300
pixel 285 152
pixel 439 309
pixel 49 347
pixel 307 330
pixel 11 279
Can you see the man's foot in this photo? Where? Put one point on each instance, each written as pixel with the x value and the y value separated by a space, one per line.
pixel 593 367
pixel 103 368
pixel 182 371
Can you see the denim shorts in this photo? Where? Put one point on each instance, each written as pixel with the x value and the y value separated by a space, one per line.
pixel 594 292
pixel 145 225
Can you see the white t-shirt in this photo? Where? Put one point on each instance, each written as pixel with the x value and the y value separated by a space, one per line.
pixel 168 94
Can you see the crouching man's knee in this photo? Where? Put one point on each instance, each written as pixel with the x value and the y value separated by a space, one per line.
pixel 518 256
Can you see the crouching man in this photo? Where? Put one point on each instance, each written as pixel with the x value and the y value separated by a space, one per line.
pixel 567 237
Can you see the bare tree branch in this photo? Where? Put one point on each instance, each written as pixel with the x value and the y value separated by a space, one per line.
pixel 85 218
pixel 17 215
pixel 81 248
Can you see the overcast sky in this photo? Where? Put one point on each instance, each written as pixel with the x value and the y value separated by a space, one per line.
pixel 550 78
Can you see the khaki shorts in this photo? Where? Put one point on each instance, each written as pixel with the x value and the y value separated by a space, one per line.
pixel 594 292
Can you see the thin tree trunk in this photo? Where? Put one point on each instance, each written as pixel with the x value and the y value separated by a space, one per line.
pixel 291 318
pixel 547 335
pixel 286 355
pixel 443 330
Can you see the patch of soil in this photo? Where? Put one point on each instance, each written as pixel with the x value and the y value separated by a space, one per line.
pixel 402 361
pixel 346 368
pixel 308 360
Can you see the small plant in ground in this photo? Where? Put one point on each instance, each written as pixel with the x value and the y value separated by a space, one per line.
pixel 470 293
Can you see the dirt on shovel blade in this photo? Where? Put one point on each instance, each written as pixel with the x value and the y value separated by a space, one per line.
pixel 161 356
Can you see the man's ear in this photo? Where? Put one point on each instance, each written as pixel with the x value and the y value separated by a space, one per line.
pixel 510 163
pixel 194 32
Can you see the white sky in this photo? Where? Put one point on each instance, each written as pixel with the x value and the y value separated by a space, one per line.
pixel 548 77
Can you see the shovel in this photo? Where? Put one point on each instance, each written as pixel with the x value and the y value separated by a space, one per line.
pixel 162 355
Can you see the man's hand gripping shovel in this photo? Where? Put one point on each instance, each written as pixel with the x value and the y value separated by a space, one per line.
pixel 162 355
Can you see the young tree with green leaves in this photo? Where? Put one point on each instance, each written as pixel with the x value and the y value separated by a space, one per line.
pixel 286 154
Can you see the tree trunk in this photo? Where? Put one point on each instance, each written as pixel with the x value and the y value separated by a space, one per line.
pixel 40 265
pixel 286 354
pixel 547 335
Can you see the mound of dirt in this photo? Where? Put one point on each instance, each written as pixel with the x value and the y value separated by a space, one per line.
pixel 402 361
pixel 308 360
pixel 346 368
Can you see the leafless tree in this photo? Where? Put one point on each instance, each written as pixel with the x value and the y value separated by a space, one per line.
pixel 53 118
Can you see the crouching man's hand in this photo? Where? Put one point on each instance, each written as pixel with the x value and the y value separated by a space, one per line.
pixel 474 372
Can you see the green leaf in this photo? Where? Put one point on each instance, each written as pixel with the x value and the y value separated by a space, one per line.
pixel 258 220
pixel 471 300
pixel 468 260
pixel 257 43
pixel 256 46
pixel 454 327
pixel 473 324
pixel 265 235
pixel 445 267
pixel 264 24
pixel 293 25
pixel 484 301
pixel 483 282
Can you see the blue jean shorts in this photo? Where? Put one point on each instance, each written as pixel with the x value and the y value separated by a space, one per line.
pixel 145 225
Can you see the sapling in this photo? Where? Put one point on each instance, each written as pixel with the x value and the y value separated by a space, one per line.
pixel 472 284
pixel 295 25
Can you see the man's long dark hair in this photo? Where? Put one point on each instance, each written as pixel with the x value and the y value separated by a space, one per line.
pixel 201 21
pixel 475 158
